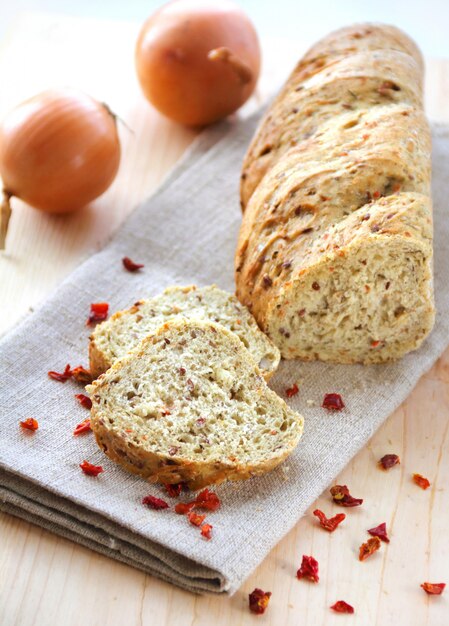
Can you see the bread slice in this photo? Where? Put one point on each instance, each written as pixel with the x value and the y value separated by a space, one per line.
pixel 125 330
pixel 189 404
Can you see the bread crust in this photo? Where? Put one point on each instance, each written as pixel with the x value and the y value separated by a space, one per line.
pixel 312 174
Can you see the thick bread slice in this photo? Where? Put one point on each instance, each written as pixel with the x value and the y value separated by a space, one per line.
pixel 189 404
pixel 126 329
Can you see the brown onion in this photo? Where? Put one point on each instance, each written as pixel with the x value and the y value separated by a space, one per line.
pixel 198 61
pixel 58 151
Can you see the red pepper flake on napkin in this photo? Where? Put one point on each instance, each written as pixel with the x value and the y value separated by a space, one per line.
pixel 329 523
pixel 258 601
pixel 182 508
pixel 421 481
pixel 308 569
pixel 130 265
pixel 341 496
pixel 381 532
pixel 29 424
pixel 82 427
pixel 155 503
pixel 388 461
pixel 292 391
pixel 368 548
pixel 206 531
pixel 98 313
pixel 195 518
pixel 61 376
pixel 174 490
pixel 342 607
pixel 80 374
pixel 207 500
pixel 434 589
pixel 333 402
pixel 85 401
pixel 91 470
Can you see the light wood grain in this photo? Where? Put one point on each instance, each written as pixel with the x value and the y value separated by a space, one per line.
pixel 45 580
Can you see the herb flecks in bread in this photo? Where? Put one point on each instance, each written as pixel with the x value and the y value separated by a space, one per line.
pixel 191 405
pixel 124 330
pixel 335 250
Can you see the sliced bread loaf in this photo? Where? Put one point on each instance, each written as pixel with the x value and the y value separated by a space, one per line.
pixel 189 404
pixel 126 329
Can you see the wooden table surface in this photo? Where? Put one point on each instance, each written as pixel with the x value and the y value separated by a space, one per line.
pixel 46 580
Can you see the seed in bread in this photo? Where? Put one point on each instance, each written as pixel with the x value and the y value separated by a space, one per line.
pixel 126 329
pixel 189 404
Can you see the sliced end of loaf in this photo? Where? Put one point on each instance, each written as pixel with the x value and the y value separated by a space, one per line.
pixel 190 405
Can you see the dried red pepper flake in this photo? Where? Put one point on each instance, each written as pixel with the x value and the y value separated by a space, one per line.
pixel 342 607
pixel 155 503
pixel 434 589
pixel 195 518
pixel 333 402
pixel 61 376
pixel 82 427
pixel 206 531
pixel 341 496
pixel 98 313
pixel 207 500
pixel 175 490
pixel 85 401
pixel 368 548
pixel 258 601
pixel 308 569
pixel 388 461
pixel 421 481
pixel 82 375
pixel 329 523
pixel 91 470
pixel 29 424
pixel 292 391
pixel 130 265
pixel 380 531
pixel 182 508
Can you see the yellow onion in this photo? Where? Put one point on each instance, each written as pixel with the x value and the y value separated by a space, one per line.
pixel 58 151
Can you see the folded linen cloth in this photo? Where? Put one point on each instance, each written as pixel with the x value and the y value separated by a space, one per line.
pixel 185 233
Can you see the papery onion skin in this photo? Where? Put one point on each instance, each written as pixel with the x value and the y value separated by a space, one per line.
pixel 59 150
pixel 177 72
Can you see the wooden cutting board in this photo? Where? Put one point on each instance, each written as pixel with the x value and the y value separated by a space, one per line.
pixel 48 580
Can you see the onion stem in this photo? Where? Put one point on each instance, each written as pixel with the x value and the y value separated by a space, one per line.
pixel 117 118
pixel 241 69
pixel 5 214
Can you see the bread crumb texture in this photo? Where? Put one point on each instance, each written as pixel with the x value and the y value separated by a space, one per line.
pixel 334 257
pixel 189 404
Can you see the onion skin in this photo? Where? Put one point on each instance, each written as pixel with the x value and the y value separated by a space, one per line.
pixel 58 151
pixel 198 61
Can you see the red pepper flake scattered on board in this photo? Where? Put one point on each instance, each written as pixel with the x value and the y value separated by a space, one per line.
pixel 341 496
pixel 380 531
pixel 155 503
pixel 85 401
pixel 308 569
pixel 207 500
pixel 82 427
pixel 292 391
pixel 333 402
pixel 342 607
pixel 130 265
pixel 98 313
pixel 434 589
pixel 206 531
pixel 329 523
pixel 61 376
pixel 182 508
pixel 368 548
pixel 388 461
pixel 91 470
pixel 258 601
pixel 421 481
pixel 195 518
pixel 29 424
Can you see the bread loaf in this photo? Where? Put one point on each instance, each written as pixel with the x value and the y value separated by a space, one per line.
pixel 189 404
pixel 334 257
pixel 126 329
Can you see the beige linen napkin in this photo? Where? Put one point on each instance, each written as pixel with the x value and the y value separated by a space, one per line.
pixel 185 233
